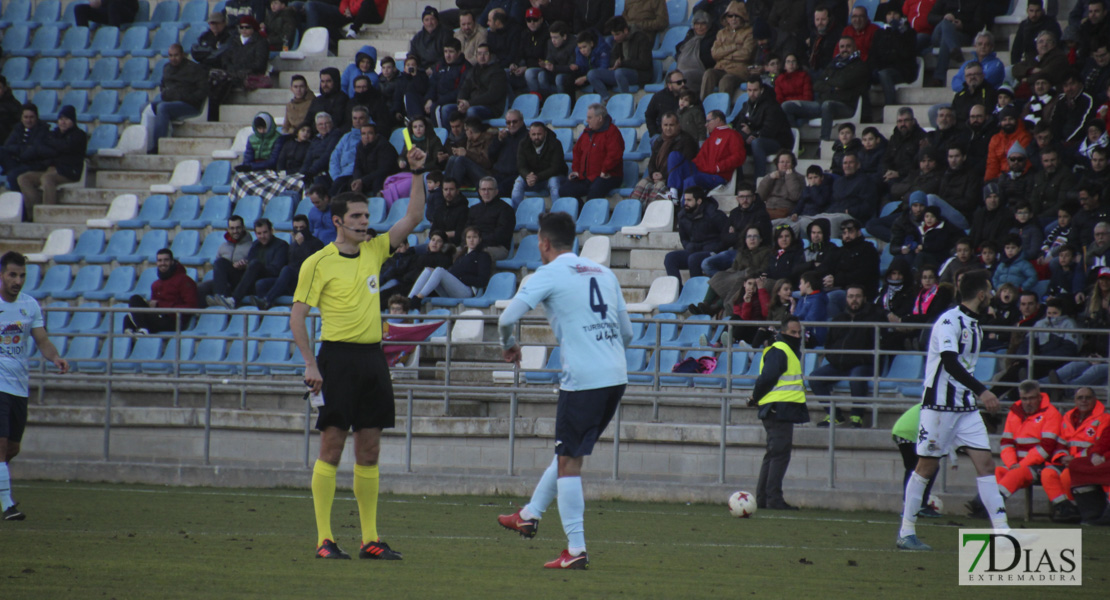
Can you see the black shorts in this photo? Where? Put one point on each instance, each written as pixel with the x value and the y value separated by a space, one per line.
pixel 581 417
pixel 13 416
pixel 358 393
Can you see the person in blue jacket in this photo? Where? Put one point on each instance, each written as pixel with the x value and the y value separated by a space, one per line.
pixel 365 60
pixel 812 306
pixel 1013 268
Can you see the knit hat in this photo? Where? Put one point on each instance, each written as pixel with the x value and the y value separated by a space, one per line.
pixel 761 30
pixel 991 189
pixel 68 112
pixel 430 10
pixel 1017 148
pixel 1009 111
pixel 1007 90
pixel 249 20
pixel 917 199
pixel 933 210
pixel 533 13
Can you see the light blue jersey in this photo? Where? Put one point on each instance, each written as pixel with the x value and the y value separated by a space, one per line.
pixel 585 307
pixel 17 319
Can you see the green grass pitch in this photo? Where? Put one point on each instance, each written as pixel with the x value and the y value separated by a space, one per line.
pixel 84 540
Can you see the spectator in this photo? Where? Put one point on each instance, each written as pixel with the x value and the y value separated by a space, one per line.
pixel 751 304
pixel 924 181
pixel 1016 181
pixel 1012 131
pixel 823 41
pixel 732 50
pixel 853 195
pixel 664 101
pixel 281 25
pixel 172 289
pixel 861 31
pixel 654 184
pixel 590 55
pixel 57 158
pixel 694 54
pixel 1060 235
pixel 422 146
pixel 1090 213
pixel 936 240
pixel 994 71
pixel 762 125
pixel 17 154
pixel 503 151
pixel 445 82
pixel 211 44
pixel 859 260
pixel 229 266
pixel 532 50
pixel 947 132
pixel 1096 75
pixel 466 278
pixel 114 13
pixel 1071 111
pixel 1031 232
pixel 1067 280
pixel 954 22
pixel 540 163
pixel 10 109
pixel 649 16
pixel 470 36
pixel 184 90
pixel 871 154
pixel 451 217
pixel 700 231
pixel 850 352
pixel 974 91
pixel 409 91
pixel 428 43
pixel 901 227
pixel 237 9
pixel 331 100
pixel 375 160
pixel 494 219
pixel 988 255
pixel 750 211
pixel 1014 268
pixel 846 141
pixel 597 167
pixel 794 83
pixel 284 175
pixel 513 8
pixel 243 65
pixel 983 130
pixel 630 62
pixel 1049 60
pixel 1096 138
pixel 261 155
pixel 265 259
pixel 1051 348
pixel 472 162
pixel 1024 41
pixel 1093 30
pixel 482 93
pixel 304 244
pixel 503 38
pixel 816 197
pixel 552 74
pixel 786 254
pixel 964 258
pixel 320 223
pixel 320 148
pixel 782 189
pixel 992 221
pixel 720 156
pixel 1051 186
pixel 297 110
pixel 725 286
pixel 691 114
pixel 960 189
pixel 837 91
pixel 812 306
pixel 893 55
pixel 389 80
pixel 364 63
pixel 821 255
pixel 341 164
pixel 1096 312
pixel 896 297
pixel 1094 254
pixel 1040 104
pixel 439 253
pixel 901 154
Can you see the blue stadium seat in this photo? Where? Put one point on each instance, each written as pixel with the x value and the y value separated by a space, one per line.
pixel 273 326
pixel 34 362
pixel 693 291
pixel 56 315
pixel 34 272
pixel 528 214
pixel 153 80
pixel 117 351
pixel 164 12
pixel 16 40
pixel 279 210
pixel 567 205
pixel 47 103
pixel 16 12
pixel 141 287
pixel 78 99
pixel 716 378
pixel 105 69
pixel 160 42
pixel 172 348
pixel 566 138
pixel 693 328
pixel 395 213
pixel 397 139
pixel 69 17
pixel 103 137
pixel 192 35
pixel 903 366
pixel 134 70
pixel 273 353
pixel 153 208
pixel 207 252
pixel 15 70
pixel 184 208
pixel 147 348
pixel 234 359
pixel 104 103
pixel 676 12
pixel 638 118
pixel 630 152
pixel 527 251
pixel 45 39
pixel 554 363
pixel 130 108
pixel 501 286
pixel 185 242
pixel 47 12
pixel 89 243
pixel 626 212
pixel 716 101
pixel 250 208
pixel 557 106
pixel 619 106
pixel 75 38
pixel 207 352
pixel 302 209
pixel 133 42
pixel 631 176
pixel 527 104
pixel 88 279
pixel 194 11
pixel 214 214
pixel 594 212
pixel 248 316
pixel 45 70
pixel 656 75
pixel 218 172
pixel 81 322
pixel 143 16
pixel 120 280
pixel 106 38
pixel 153 241
pixel 121 243
pixel 670 39
pixel 578 115
pixel 209 324
pixel 56 279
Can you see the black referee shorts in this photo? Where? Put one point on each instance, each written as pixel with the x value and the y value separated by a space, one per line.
pixel 358 393
pixel 581 416
pixel 13 417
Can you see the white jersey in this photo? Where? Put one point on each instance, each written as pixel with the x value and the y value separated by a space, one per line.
pixel 17 319
pixel 957 330
pixel 583 302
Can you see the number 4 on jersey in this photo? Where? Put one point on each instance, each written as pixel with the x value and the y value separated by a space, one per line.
pixel 597 303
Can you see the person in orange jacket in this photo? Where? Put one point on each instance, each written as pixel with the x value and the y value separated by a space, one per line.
pixel 1090 480
pixel 1079 429
pixel 1029 440
pixel 1012 129
pixel 722 153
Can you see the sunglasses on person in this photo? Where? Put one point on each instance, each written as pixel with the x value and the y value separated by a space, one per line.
pixel 679 82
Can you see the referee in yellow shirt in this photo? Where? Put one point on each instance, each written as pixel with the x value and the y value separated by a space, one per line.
pixel 343 281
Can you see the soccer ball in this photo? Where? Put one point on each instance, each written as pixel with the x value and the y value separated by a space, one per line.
pixel 936 503
pixel 741 505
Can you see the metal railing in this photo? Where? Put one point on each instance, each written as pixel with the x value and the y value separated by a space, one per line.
pixel 723 388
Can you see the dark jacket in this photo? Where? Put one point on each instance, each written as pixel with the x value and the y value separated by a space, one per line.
pixel 175 290
pixel 774 365
pixel 473 268
pixel 426 261
pixel 894 47
pixel 821 47
pixel 843 80
pixel 428 47
pixel 857 195
pixel 635 53
pixel 838 152
pixel 901 153
pixel 684 144
pixel 705 45
pixel 740 220
pixel 10 112
pixel 22 143
pixel 374 163
pixel 701 230
pixel 240 60
pixel 991 225
pixel 592 14
pixel 815 199
pixel 546 163
pixel 485 86
pixel 661 102
pixel 964 99
pixel 319 154
pixel 445 81
pixel 962 189
pixel 504 152
pixel 298 253
pixel 822 257
pixel 1050 191
pixel 903 232
pixel 186 83
pixel 972 13
pixel 209 47
pixel 273 256
pixel 766 120
pixel 784 263
pixel 941 140
pixel 532 46
pixel 63 151
pixel 841 341
pixel 918 181
pixel 504 44
pixel 1024 42
pixel 292 156
pixel 495 220
pixel 897 300
pixel 451 218
pixel 335 104
pixel 859 263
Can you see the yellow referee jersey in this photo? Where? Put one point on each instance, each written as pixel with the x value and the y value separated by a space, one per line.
pixel 346 290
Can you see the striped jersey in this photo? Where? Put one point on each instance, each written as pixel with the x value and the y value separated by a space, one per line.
pixel 957 330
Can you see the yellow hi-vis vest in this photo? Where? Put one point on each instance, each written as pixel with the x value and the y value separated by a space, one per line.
pixel 789 387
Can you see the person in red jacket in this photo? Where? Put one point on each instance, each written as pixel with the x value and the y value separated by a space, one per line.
pixel 346 19
pixel 1079 429
pixel 721 154
pixel 861 30
pixel 597 168
pixel 172 289
pixel 1030 439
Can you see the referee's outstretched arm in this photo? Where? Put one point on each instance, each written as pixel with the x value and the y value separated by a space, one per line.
pixel 401 229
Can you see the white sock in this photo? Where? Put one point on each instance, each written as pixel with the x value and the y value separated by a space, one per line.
pixel 6 501
pixel 992 501
pixel 572 506
pixel 915 491
pixel 544 493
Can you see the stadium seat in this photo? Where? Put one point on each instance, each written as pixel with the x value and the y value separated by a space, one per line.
pixel 238 146
pixel 395 213
pixel 676 12
pixel 16 12
pixel 578 115
pixel 645 375
pixel 527 104
pixel 102 138
pixel 658 216
pixel 16 40
pixel 184 208
pixel 214 214
pixel 185 242
pixel 663 290
pixel 904 366
pixel 531 358
pixel 279 210
pixel 314 43
pixel 594 212
pixel 60 241
pixel 134 70
pixel 619 106
pixel 692 329
pixel 166 36
pixel 153 208
pixel 163 363
pixel 528 214
pixel 670 39
pixel 34 273
pixel 120 280
pixel 194 11
pixel 566 138
pixel 120 244
pixel 90 243
pixel 117 351
pixel 552 369
pixel 716 378
pixel 56 280
pixel 11 207
pixel 56 315
pixel 248 207
pixel 206 352
pixel 273 326
pixel 397 140
pixel 46 38
pixel 35 362
pixel 693 291
pixel 186 172
pixel 527 251
pixel 638 118
pixel 75 38
pixel 88 279
pixel 78 99
pixel 302 209
pixel 143 349
pixel 153 241
pixel 47 103
pixel 209 324
pixel 598 249
pixel 557 106
pixel 132 43
pixel 132 141
pixel 47 12
pixel 191 35
pixel 218 172
pixel 565 204
pixel 501 286
pixel 15 70
pixel 716 101
pixel 153 80
pixel 104 103
pixel 164 12
pixel 630 151
pixel 625 213
pixel 656 75
pixel 106 38
pixel 233 362
pixel 129 110
pixel 630 177
pixel 207 252
pixel 45 70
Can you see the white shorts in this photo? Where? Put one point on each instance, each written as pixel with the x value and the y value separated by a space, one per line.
pixel 941 432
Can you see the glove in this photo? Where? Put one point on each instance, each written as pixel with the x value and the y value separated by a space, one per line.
pixel 242 168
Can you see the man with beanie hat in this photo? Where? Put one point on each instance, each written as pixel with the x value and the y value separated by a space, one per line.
pixel 1012 130
pixel 331 100
pixel 1016 182
pixel 991 221
pixel 427 44
pixel 59 158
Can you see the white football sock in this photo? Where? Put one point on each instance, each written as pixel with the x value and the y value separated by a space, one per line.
pixel 544 493
pixel 992 501
pixel 5 487
pixel 572 506
pixel 915 491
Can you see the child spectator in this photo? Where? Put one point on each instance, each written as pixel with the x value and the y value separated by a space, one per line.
pixel 871 156
pixel 816 196
pixel 846 141
pixel 545 79
pixel 691 115
pixel 1062 233
pixel 812 306
pixel 964 258
pixel 751 305
pixel 365 61
pixel 1013 268
pixel 937 237
pixel 280 25
pixel 988 255
pixel 1067 280
pixel 1032 235
pixel 467 276
pixel 590 54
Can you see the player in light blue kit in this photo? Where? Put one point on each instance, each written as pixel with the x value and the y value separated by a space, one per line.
pixel 585 307
pixel 20 320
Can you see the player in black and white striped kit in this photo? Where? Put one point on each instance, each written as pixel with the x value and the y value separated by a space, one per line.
pixel 949 411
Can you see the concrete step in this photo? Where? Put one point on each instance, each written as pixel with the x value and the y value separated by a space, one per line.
pixel 633 294
pixel 67 214
pixel 647 259
pixel 269 96
pixel 386 46
pixel 21 246
pixel 165 162
pixel 93 195
pixel 133 180
pixel 921 95
pixel 205 129
pixel 243 114
pixel 618 259
pixel 181 148
pixel 653 241
pixel 33 233
pixel 638 278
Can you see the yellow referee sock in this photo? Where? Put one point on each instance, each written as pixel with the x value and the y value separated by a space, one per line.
pixel 366 492
pixel 323 493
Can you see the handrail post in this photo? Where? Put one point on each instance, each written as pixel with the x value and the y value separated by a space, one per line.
pixel 513 400
pixel 111 341
pixel 447 366
pixel 177 357
pixel 408 433
pixel 243 366
pixel 208 424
